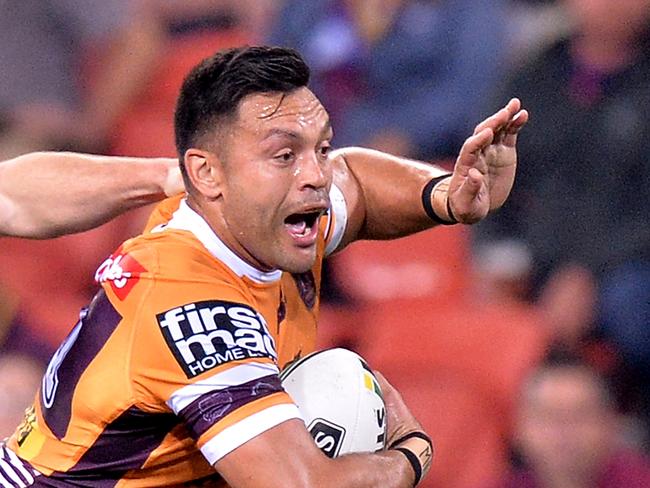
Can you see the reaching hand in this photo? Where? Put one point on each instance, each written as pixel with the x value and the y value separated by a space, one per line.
pixel 485 168
pixel 174 182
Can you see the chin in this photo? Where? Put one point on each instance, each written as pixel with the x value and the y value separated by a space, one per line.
pixel 298 264
pixel 297 268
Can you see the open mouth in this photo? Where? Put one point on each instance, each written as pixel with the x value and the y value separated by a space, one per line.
pixel 302 225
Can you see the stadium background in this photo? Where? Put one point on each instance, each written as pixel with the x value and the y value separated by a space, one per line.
pixel 455 318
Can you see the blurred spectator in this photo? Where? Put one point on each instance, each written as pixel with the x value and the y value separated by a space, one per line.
pixel 568 434
pixel 408 76
pixel 582 194
pixel 47 48
pixel 20 377
pixel 568 301
pixel 625 318
pixel 502 272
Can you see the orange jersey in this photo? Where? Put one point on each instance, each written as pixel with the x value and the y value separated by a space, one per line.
pixel 174 364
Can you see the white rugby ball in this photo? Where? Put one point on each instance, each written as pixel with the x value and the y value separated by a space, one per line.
pixel 340 401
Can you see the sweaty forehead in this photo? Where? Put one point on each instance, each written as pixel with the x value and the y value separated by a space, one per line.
pixel 298 110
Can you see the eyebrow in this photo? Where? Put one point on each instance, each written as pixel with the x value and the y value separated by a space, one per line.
pixel 281 132
pixel 294 135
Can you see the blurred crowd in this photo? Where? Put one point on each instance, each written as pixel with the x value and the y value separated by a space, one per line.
pixel 522 343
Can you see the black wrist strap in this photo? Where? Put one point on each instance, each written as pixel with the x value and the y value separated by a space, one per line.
pixel 410 455
pixel 454 220
pixel 410 435
pixel 414 461
pixel 428 206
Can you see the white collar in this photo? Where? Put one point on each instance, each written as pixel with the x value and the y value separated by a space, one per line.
pixel 187 219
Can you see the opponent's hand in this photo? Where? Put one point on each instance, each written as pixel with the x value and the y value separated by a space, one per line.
pixel 173 184
pixel 485 168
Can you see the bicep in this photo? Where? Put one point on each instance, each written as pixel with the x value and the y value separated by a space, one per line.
pixel 382 193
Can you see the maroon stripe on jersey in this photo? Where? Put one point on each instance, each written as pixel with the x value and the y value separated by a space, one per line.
pixel 210 408
pixel 96 327
pixel 124 445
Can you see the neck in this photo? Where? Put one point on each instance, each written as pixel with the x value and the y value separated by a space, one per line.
pixel 216 221
pixel 575 476
pixel 559 481
pixel 606 55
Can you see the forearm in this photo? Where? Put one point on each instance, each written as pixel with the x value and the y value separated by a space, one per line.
pixel 387 469
pixel 388 197
pixel 385 193
pixel 299 463
pixel 50 194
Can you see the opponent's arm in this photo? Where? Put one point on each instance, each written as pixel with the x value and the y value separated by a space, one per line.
pixel 49 194
pixel 286 456
pixel 384 193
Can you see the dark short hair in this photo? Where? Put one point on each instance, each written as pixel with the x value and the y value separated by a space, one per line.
pixel 211 92
pixel 559 360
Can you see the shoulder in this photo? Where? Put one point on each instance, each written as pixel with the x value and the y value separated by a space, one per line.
pixel 157 272
pixel 628 468
pixel 188 313
pixel 163 212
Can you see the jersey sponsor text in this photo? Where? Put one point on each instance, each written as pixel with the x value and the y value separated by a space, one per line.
pixel 204 335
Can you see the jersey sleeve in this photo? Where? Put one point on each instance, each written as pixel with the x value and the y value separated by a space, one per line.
pixel 336 222
pixel 163 212
pixel 205 353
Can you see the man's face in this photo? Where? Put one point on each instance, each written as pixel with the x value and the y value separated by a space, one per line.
pixel 277 177
pixel 622 19
pixel 564 424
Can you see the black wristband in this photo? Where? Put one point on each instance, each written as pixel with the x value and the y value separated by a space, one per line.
pixel 414 461
pixel 428 206
pixel 454 220
pixel 410 435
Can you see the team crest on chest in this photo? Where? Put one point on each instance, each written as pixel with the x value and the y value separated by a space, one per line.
pixel 121 271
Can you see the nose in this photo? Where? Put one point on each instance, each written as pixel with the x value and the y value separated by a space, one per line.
pixel 313 172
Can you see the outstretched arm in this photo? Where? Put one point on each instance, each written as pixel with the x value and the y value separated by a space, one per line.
pixel 50 194
pixel 384 193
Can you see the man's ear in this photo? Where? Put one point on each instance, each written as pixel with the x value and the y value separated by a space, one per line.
pixel 204 172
